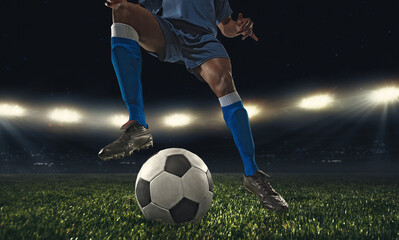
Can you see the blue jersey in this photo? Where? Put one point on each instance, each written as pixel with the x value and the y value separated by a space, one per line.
pixel 205 14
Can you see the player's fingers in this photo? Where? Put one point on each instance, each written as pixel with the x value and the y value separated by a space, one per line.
pixel 248 25
pixel 254 37
pixel 240 18
pixel 250 33
pixel 244 27
pixel 246 34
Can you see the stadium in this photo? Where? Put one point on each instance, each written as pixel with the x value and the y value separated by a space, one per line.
pixel 321 89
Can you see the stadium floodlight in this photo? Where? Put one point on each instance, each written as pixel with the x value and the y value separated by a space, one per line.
pixel 65 115
pixel 118 120
pixel 385 95
pixel 178 120
pixel 252 110
pixel 11 110
pixel 316 102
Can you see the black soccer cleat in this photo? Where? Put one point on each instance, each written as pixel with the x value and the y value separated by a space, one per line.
pixel 135 137
pixel 268 197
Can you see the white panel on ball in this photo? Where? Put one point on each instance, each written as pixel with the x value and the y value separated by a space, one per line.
pixel 157 213
pixel 204 206
pixel 152 167
pixel 195 160
pixel 195 184
pixel 166 190
pixel 172 151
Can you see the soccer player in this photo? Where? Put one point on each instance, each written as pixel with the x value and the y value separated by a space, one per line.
pixel 185 32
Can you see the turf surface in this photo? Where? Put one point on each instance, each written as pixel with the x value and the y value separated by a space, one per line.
pixel 104 207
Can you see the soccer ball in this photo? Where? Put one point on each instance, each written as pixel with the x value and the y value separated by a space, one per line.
pixel 174 186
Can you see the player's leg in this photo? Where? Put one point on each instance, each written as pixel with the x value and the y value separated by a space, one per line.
pixel 132 26
pixel 218 74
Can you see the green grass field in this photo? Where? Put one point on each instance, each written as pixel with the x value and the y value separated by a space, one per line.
pixel 104 207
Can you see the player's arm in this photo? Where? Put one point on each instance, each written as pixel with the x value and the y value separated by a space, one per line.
pixel 243 26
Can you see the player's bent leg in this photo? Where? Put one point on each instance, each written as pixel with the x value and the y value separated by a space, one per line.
pixel 132 25
pixel 217 73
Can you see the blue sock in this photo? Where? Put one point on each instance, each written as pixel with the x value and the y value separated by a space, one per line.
pixel 237 121
pixel 126 59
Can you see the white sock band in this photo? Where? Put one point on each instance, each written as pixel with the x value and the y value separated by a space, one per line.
pixel 124 31
pixel 229 99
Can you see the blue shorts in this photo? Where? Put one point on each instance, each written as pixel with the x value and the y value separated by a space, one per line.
pixel 189 44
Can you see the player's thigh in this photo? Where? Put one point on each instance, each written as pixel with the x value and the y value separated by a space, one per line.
pixel 145 24
pixel 217 73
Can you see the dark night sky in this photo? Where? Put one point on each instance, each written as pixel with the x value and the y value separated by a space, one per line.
pixel 57 47
pixel 59 50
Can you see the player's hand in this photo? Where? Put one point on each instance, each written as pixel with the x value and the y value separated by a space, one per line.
pixel 111 3
pixel 245 27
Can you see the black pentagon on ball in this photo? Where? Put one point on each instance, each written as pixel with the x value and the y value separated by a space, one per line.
pixel 143 192
pixel 184 211
pixel 177 164
pixel 210 181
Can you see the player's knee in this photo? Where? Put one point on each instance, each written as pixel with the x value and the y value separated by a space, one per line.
pixel 124 11
pixel 224 85
pixel 120 9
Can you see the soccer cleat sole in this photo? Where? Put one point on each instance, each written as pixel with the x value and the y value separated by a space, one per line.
pixel 128 154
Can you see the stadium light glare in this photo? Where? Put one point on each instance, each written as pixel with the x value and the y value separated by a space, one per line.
pixel 118 120
pixel 385 95
pixel 64 115
pixel 178 120
pixel 252 110
pixel 317 102
pixel 11 110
